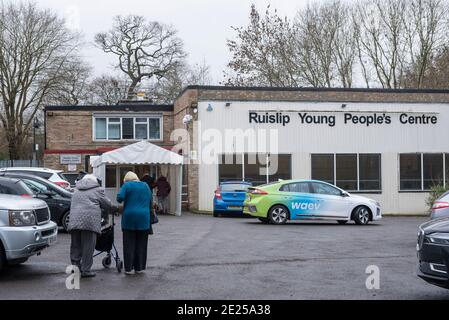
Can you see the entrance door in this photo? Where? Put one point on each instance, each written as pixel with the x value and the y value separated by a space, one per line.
pixel 123 170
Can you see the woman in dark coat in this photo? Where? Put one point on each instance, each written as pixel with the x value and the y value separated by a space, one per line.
pixel 137 198
pixel 163 190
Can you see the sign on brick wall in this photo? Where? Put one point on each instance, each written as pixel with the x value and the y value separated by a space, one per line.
pixel 70 159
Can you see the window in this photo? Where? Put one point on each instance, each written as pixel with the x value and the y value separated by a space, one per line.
pixel 421 171
pixel 141 128
pixel 155 128
pixel 282 164
pixel 111 177
pixel 323 167
pixel 321 188
pixel 346 171
pixel 254 168
pixel 128 128
pixel 37 187
pixel 352 172
pixel 114 129
pixel 369 171
pixel 230 168
pixel 100 128
pixel 433 170
pixel 299 187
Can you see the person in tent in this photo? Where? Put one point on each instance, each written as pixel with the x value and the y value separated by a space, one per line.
pixel 163 191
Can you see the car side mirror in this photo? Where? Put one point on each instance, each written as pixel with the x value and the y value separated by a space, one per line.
pixel 344 194
pixel 46 194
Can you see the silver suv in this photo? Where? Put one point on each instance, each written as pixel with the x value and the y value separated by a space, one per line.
pixel 25 229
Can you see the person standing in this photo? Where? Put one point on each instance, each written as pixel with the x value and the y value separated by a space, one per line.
pixel 136 197
pixel 163 190
pixel 88 203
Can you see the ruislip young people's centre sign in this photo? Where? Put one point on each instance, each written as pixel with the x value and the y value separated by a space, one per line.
pixel 347 118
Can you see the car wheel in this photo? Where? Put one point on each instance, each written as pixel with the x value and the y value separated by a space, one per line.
pixel 342 221
pixel 216 215
pixel 361 215
pixel 264 220
pixel 65 221
pixel 278 215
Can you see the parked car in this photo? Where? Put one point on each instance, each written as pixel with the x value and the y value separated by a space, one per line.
pixel 57 198
pixel 55 176
pixel 229 197
pixel 25 229
pixel 279 202
pixel 440 207
pixel 433 252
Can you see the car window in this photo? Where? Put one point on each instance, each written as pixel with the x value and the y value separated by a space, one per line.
pixel 322 188
pixel 299 187
pixel 5 190
pixel 234 187
pixel 38 187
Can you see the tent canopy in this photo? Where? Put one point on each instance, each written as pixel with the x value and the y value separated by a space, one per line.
pixel 141 152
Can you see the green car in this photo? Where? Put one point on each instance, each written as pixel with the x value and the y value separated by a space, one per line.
pixel 279 202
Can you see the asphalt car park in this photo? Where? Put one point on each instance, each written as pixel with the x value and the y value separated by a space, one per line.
pixel 200 257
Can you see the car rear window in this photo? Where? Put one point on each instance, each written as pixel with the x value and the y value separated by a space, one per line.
pixel 234 187
pixel 44 175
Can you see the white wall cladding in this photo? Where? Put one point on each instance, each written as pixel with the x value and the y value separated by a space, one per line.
pixel 301 140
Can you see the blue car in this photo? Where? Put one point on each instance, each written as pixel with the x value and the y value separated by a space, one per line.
pixel 229 197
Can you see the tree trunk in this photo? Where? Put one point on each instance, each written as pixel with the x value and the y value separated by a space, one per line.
pixel 132 90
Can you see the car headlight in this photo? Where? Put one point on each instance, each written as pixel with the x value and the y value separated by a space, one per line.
pixel 439 238
pixel 22 218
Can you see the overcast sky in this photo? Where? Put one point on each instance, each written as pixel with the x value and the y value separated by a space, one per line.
pixel 204 25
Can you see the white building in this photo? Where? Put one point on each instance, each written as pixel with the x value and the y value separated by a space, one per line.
pixel 389 145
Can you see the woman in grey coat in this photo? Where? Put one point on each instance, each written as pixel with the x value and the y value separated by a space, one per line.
pixel 88 203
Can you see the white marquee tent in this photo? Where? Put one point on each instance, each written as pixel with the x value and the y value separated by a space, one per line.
pixel 144 153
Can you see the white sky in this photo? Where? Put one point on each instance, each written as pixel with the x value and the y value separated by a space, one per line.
pixel 204 25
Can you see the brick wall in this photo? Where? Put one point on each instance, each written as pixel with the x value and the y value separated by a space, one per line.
pixel 72 130
pixel 181 108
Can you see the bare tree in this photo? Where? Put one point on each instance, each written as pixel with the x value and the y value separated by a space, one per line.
pixel 426 25
pixel 74 88
pixel 381 39
pixel 108 90
pixel 144 49
pixel 261 52
pixel 35 48
pixel 325 46
pixel 167 89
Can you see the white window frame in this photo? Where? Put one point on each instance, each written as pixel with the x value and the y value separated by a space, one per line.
pixel 134 117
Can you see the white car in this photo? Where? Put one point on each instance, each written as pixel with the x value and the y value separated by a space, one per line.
pixel 51 175
pixel 279 202
pixel 25 229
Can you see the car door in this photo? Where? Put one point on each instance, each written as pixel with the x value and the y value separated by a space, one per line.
pixel 333 204
pixel 54 201
pixel 299 200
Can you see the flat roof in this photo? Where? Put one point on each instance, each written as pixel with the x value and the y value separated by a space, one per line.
pixel 139 107
pixel 312 89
